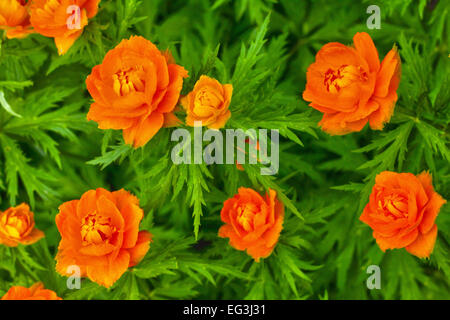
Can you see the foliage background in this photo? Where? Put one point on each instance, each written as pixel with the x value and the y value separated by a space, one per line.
pixel 51 154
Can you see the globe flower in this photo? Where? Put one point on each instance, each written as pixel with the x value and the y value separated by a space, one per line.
pixel 252 222
pixel 14 18
pixel 135 89
pixel 402 211
pixel 208 103
pixel 35 292
pixel 100 234
pixel 17 226
pixel 350 86
pixel 63 20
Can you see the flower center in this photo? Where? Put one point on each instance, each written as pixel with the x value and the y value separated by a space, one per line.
pixel 207 98
pixel 96 229
pixel 128 81
pixel 246 216
pixel 14 225
pixel 335 80
pixel 394 205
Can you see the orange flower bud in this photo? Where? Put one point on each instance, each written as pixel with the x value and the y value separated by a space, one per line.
pixel 208 103
pixel 17 226
pixel 402 210
pixel 35 292
pixel 252 223
pixel 14 18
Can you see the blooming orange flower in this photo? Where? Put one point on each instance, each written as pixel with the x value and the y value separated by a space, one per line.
pixel 351 88
pixel 402 211
pixel 14 18
pixel 100 234
pixel 135 89
pixel 35 292
pixel 17 226
pixel 208 103
pixel 63 20
pixel 252 223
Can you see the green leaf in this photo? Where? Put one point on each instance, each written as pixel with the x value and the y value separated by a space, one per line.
pixel 120 151
pixel 248 58
pixel 435 139
pixel 155 267
pixel 13 85
pixel 352 186
pixel 197 184
pixel 16 165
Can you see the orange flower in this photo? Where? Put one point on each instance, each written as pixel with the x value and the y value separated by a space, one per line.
pixel 100 234
pixel 63 20
pixel 252 223
pixel 135 89
pixel 35 292
pixel 17 226
pixel 402 211
pixel 351 88
pixel 14 18
pixel 208 103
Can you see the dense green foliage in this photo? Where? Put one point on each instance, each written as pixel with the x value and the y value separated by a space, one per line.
pixel 50 153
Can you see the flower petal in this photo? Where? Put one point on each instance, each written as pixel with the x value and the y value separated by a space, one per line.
pixel 424 244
